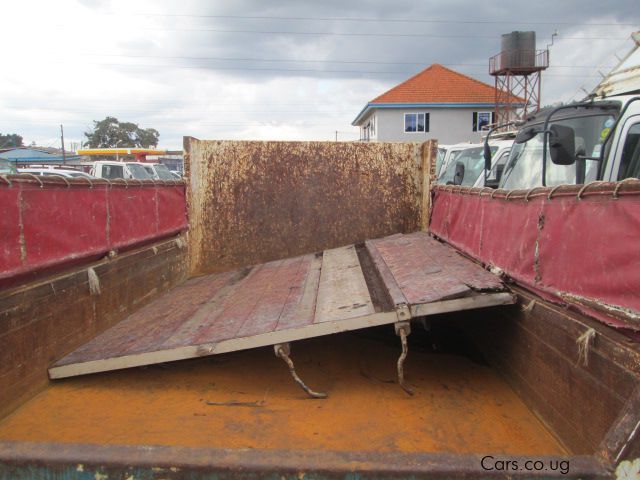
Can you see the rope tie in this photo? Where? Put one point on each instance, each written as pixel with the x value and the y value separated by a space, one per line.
pixel 584 342
pixel 94 282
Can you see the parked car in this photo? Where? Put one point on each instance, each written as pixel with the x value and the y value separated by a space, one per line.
pixel 6 167
pixel 68 173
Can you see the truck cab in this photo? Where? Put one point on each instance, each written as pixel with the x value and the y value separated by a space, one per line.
pixel 577 143
pixel 446 155
pixel 465 166
pixel 596 139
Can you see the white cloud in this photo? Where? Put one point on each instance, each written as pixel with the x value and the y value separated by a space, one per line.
pixel 73 62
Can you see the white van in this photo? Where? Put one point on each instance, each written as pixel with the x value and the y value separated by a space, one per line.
pixel 113 170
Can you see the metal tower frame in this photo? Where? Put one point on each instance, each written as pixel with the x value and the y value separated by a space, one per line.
pixel 517 86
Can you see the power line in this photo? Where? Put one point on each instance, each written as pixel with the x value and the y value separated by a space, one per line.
pixel 340 34
pixel 284 60
pixel 372 20
pixel 273 69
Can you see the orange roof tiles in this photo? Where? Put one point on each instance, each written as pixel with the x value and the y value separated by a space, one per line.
pixel 438 84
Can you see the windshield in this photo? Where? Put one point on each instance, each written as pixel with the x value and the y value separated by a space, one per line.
pixel 163 172
pixel 439 159
pixel 448 158
pixel 6 167
pixel 473 161
pixel 524 167
pixel 138 171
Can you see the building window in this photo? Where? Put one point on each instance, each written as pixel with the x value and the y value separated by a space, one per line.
pixel 416 122
pixel 481 120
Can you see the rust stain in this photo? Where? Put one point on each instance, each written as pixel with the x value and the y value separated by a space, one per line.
pixel 252 202
pixel 459 406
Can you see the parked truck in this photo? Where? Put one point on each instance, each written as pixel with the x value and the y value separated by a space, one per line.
pixel 347 319
pixel 120 170
pixel 582 142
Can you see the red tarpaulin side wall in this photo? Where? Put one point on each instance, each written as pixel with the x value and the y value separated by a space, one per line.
pixel 578 247
pixel 49 222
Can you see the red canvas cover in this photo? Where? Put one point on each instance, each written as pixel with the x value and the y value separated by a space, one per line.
pixel 51 222
pixel 576 245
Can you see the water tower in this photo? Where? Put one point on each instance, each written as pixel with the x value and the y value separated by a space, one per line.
pixel 517 70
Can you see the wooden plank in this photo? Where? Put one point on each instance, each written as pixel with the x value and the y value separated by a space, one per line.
pixel 155 323
pixel 467 303
pixel 623 439
pixel 303 311
pixel 343 292
pixel 391 286
pixel 214 308
pixel 426 270
pixel 428 167
pixel 224 346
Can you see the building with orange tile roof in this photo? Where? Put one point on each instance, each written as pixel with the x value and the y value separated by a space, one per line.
pixel 435 103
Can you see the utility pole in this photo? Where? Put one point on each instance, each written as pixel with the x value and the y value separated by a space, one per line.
pixel 336 135
pixel 64 155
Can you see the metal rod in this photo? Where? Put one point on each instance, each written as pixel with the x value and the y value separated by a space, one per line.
pixel 282 351
pixel 403 356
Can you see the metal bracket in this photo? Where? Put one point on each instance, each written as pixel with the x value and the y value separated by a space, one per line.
pixel 283 350
pixel 403 312
pixel 403 329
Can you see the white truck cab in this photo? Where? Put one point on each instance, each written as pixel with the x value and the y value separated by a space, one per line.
pixel 465 166
pixel 446 153
pixel 576 144
pixel 126 170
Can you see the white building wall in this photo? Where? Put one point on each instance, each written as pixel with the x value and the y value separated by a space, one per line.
pixel 447 125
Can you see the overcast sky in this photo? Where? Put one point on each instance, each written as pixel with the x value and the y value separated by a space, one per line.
pixel 284 69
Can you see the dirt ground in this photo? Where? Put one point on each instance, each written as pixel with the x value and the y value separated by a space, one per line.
pixel 248 400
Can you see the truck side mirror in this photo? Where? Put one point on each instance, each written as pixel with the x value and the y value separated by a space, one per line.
pixel 562 145
pixel 487 157
pixel 458 176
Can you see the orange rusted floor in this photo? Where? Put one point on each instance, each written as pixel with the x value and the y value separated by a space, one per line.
pixel 459 406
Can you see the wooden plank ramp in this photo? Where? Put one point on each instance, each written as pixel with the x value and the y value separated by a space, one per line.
pixel 268 304
pixel 288 300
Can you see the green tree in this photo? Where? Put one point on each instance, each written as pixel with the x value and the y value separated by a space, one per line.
pixel 11 140
pixel 110 133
